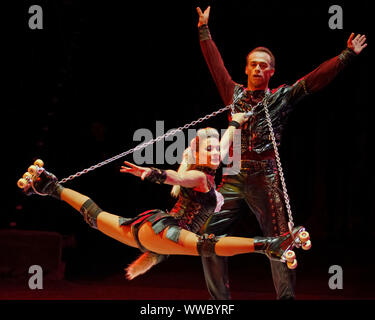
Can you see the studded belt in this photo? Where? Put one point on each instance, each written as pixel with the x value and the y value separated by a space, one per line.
pixel 258 165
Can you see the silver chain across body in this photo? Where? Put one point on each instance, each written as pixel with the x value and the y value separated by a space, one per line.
pixel 193 123
pixel 279 166
pixel 145 144
pixel 277 155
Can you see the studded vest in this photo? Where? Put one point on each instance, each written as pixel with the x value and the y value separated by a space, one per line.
pixel 193 208
pixel 255 134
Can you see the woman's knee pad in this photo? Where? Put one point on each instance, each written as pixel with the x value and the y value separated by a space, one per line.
pixel 206 245
pixel 90 212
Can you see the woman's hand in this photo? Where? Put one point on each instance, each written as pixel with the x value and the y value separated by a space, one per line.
pixel 135 170
pixel 240 117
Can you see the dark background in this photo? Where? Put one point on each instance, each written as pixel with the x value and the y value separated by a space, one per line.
pixel 98 71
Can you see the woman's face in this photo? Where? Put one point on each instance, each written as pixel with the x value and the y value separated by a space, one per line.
pixel 209 153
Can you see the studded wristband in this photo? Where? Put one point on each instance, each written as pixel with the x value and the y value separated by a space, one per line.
pixel 156 176
pixel 347 55
pixel 234 124
pixel 204 33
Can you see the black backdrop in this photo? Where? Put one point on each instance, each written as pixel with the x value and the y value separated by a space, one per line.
pixel 98 71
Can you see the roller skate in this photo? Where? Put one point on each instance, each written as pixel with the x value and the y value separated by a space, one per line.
pixel 281 248
pixel 39 181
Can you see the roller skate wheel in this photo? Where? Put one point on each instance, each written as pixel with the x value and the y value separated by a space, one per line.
pixel 290 256
pixel 32 170
pixel 292 265
pixel 306 245
pixel 22 183
pixel 304 236
pixel 39 163
pixel 27 175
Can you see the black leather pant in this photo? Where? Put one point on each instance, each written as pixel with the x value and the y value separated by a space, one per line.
pixel 258 186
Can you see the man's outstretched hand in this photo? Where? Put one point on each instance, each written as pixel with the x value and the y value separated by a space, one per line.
pixel 203 16
pixel 358 43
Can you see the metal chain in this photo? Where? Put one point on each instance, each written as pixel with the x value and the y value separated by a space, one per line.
pixel 280 169
pixel 251 112
pixel 145 144
pixel 193 123
pixel 278 161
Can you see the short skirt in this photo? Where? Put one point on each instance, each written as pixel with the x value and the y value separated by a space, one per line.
pixel 159 220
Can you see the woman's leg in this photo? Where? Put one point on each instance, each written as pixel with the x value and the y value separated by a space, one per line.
pixel 230 246
pixel 109 224
pixel 106 222
pixel 191 244
pixel 187 245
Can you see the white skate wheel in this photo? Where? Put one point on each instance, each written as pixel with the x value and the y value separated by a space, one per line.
pixel 304 236
pixel 290 256
pixel 27 175
pixel 306 245
pixel 22 183
pixel 32 170
pixel 292 265
pixel 39 163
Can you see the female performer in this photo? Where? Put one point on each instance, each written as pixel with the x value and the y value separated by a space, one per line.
pixel 175 232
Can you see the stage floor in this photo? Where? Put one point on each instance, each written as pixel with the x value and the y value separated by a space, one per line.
pixel 181 278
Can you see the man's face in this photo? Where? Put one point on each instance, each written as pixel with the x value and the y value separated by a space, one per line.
pixel 259 70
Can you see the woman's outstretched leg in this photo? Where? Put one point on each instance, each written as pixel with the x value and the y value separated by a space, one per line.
pixel 230 246
pixel 191 244
pixel 104 221
pixel 45 183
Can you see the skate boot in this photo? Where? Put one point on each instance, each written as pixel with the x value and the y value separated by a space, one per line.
pixel 39 181
pixel 280 248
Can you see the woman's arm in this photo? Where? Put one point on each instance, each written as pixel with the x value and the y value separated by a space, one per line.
pixel 188 179
pixel 237 120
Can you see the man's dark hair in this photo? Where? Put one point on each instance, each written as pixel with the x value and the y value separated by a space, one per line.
pixel 263 49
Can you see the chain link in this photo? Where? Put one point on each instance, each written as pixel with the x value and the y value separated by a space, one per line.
pixel 279 167
pixel 146 144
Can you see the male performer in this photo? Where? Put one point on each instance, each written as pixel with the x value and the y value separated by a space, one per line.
pixel 257 184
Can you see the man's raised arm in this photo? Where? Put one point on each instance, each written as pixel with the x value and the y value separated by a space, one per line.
pixel 215 63
pixel 328 70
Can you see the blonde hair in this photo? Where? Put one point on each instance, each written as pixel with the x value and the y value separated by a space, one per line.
pixel 188 158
